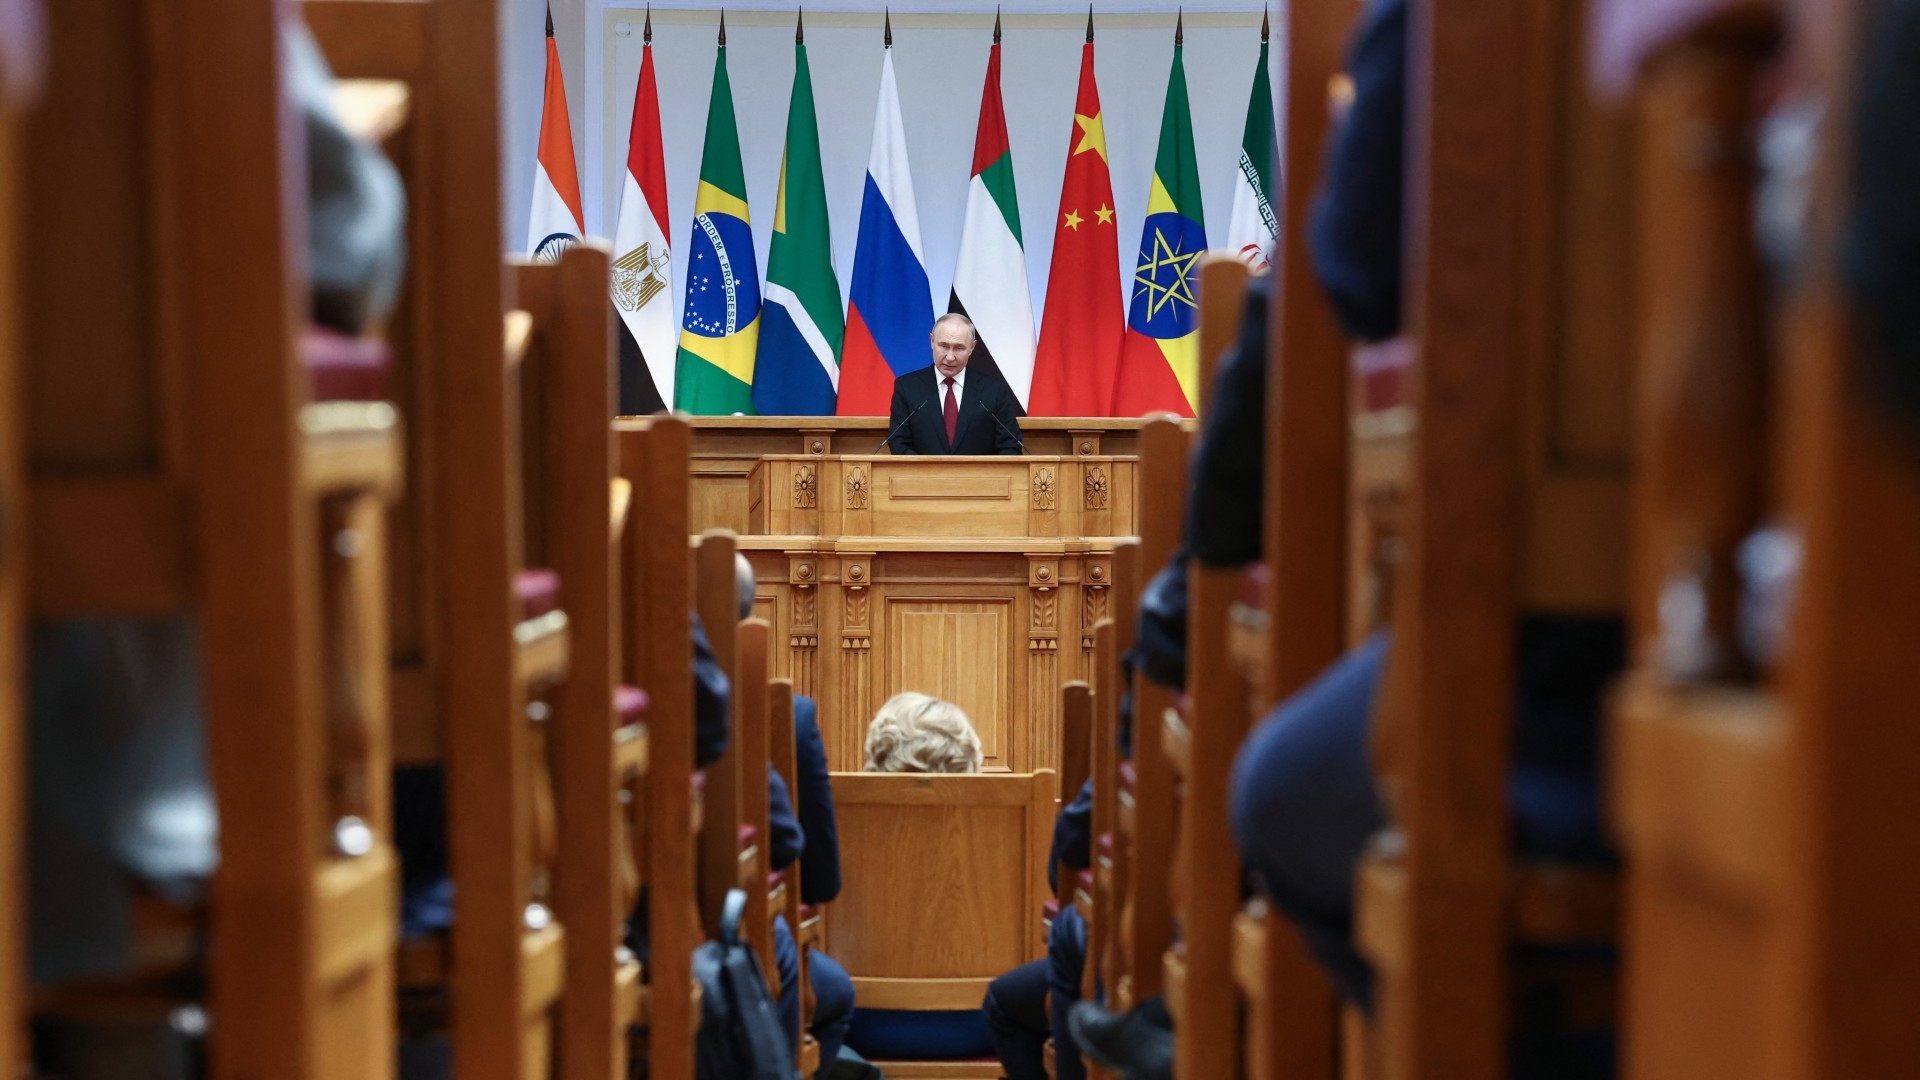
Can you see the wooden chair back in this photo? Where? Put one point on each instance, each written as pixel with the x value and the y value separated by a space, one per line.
pixel 655 456
pixel 23 48
pixel 1761 805
pixel 569 373
pixel 943 873
pixel 177 466
pixel 1147 814
pixel 1513 313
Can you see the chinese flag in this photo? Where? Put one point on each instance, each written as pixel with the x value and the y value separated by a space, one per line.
pixel 1083 324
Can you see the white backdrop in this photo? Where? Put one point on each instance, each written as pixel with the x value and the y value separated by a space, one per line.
pixel 940 55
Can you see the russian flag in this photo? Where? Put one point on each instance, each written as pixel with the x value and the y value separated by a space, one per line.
pixel 890 308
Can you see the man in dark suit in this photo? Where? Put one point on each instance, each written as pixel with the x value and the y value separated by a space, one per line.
pixel 939 410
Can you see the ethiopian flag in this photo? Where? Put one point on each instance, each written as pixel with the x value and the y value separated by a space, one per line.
pixel 721 325
pixel 1160 358
pixel 799 365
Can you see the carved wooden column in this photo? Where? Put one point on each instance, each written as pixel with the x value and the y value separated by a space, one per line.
pixel 803 622
pixel 856 648
pixel 1043 663
pixel 1096 578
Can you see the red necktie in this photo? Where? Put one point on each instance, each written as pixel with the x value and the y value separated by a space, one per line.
pixel 953 414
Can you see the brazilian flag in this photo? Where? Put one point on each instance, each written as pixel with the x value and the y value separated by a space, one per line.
pixel 720 329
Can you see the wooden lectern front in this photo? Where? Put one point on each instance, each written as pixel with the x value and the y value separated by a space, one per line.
pixel 976 579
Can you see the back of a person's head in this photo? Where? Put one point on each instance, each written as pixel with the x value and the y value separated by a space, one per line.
pixel 919 733
pixel 744 585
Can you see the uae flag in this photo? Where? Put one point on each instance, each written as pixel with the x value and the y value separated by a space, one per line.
pixel 1252 227
pixel 1079 350
pixel 555 223
pixel 642 281
pixel 990 280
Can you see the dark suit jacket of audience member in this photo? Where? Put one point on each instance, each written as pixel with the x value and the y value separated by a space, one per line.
pixel 989 421
pixel 712 701
pixel 815 838
pixel 1356 226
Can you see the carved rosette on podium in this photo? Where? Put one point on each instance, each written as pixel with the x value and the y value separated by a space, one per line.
pixel 978 579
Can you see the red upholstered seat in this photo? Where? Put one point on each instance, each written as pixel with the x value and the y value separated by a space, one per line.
pixel 629 705
pixel 808 912
pixel 775 879
pixel 1105 843
pixel 1128 776
pixel 1050 910
pixel 747 834
pixel 699 781
pixel 538 591
pixel 343 368
pixel 1086 880
pixel 1253 586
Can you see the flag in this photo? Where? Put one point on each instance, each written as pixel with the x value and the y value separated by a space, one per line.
pixel 643 264
pixel 990 279
pixel 555 223
pixel 721 325
pixel 890 309
pixel 1079 350
pixel 1160 358
pixel 1252 227
pixel 798 370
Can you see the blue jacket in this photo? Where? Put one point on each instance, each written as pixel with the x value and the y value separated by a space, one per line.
pixel 814 839
pixel 712 701
pixel 1356 226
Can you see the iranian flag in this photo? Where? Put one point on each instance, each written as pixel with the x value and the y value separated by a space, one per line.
pixel 642 282
pixel 990 280
pixel 1252 228
pixel 555 222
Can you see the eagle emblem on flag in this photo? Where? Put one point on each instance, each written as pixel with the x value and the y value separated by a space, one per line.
pixel 638 277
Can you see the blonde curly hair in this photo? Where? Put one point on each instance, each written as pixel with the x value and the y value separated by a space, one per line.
pixel 919 733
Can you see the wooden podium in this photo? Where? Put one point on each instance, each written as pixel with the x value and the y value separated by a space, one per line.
pixel 977 579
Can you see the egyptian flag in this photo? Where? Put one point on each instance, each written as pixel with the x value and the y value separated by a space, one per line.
pixel 555 223
pixel 1079 352
pixel 1160 358
pixel 990 281
pixel 890 307
pixel 642 282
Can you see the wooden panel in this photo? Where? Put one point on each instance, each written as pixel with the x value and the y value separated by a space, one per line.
pixel 943 873
pixel 959 650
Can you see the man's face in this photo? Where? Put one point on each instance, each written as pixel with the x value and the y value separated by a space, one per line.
pixel 952 346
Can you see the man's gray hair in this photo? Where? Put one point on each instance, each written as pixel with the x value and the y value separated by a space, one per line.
pixel 972 332
pixel 744 584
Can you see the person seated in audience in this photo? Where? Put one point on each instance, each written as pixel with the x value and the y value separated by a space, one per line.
pixel 1029 1004
pixel 919 733
pixel 813 841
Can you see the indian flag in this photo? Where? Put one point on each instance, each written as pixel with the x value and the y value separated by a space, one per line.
pixel 554 223
pixel 798 372
pixel 990 280
pixel 720 328
pixel 1252 227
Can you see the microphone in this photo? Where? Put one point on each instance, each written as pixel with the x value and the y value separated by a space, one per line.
pixel 1003 427
pixel 902 423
